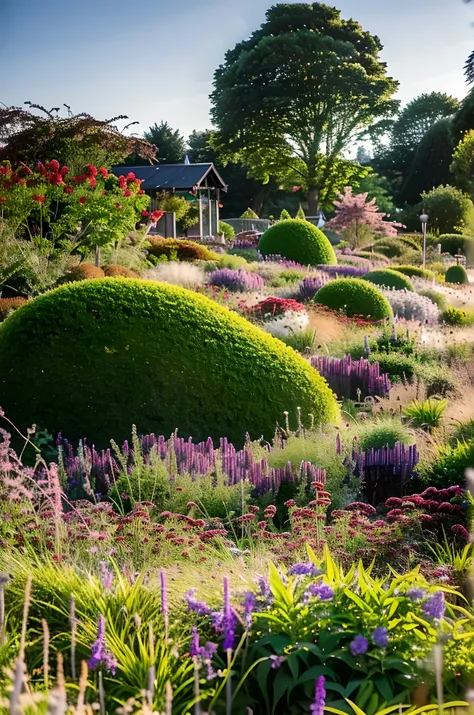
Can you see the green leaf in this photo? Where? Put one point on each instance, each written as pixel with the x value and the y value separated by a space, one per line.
pixel 315 672
pixel 283 682
pixel 384 688
pixel 354 597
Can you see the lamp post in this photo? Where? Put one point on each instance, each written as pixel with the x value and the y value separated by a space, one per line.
pixel 424 221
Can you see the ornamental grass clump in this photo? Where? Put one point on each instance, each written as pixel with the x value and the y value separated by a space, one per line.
pixel 411 306
pixel 425 414
pixel 237 281
pixel 8 305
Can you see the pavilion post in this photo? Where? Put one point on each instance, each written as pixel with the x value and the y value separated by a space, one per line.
pixel 201 227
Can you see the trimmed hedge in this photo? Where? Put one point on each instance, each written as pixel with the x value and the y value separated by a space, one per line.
pixel 91 359
pixel 83 272
pixel 299 241
pixel 452 242
pixel 115 271
pixel 354 296
pixel 389 279
pixel 456 274
pixel 180 249
pixel 415 271
pixel 436 298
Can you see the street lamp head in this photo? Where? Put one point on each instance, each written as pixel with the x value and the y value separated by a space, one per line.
pixel 424 218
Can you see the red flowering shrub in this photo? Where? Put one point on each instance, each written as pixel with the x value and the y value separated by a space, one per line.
pixel 276 306
pixel 112 271
pixel 9 304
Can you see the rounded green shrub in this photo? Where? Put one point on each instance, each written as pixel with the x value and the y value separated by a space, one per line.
pixel 457 316
pixel 436 298
pixel 92 358
pixel 354 296
pixel 298 241
pixel 390 279
pixel 451 464
pixel 396 364
pixel 384 432
pixel 457 274
pixel 415 271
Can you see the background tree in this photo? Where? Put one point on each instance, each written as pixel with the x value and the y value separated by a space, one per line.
pixel 376 187
pixel 295 95
pixel 408 131
pixel 449 210
pixel 171 147
pixel 463 164
pixel 39 134
pixel 357 218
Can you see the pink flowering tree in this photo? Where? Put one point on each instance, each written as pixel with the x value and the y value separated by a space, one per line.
pixel 358 219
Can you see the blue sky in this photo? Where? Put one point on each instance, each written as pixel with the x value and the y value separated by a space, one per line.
pixel 154 60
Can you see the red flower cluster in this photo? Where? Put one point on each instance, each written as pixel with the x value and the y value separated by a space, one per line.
pixel 276 306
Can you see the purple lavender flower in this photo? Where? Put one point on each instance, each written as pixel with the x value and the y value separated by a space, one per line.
pixel 249 605
pixel 236 280
pixel 100 654
pixel 302 569
pixel 199 607
pixel 204 654
pixel 229 622
pixel 317 708
pixel 265 590
pixel 318 590
pixel 359 645
pixel 380 637
pixel 434 607
pixel 415 594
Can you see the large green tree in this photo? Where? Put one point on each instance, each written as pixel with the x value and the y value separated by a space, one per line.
pixel 293 97
pixel 408 131
pixel 169 143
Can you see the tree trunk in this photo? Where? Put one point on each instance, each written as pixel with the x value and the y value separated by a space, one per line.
pixel 97 256
pixel 259 198
pixel 313 201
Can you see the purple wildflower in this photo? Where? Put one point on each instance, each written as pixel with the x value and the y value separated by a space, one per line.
pixel 359 645
pixel 106 576
pixel 100 654
pixel 434 607
pixel 204 654
pixel 199 607
pixel 265 590
pixel 249 605
pixel 317 708
pixel 304 570
pixel 277 660
pixel 229 618
pixel 415 594
pixel 380 637
pixel 318 590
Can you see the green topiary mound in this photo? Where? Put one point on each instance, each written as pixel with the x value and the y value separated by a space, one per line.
pixel 415 271
pixel 90 359
pixel 354 296
pixel 299 241
pixel 389 279
pixel 457 274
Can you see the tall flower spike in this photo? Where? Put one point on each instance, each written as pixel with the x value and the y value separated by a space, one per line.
pixel 317 708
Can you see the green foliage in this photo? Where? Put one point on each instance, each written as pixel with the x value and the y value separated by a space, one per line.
pixel 451 464
pixel 354 296
pixel 298 241
pixel 455 243
pixel 300 51
pixel 249 255
pixel 463 163
pixel 457 274
pixel 425 414
pixel 457 316
pixel 285 215
pixel 385 431
pixel 171 203
pixel 448 208
pixel 415 271
pixel 169 143
pixel 334 238
pixel 397 365
pixel 161 357
pixel 227 230
pixel 180 250
pixel 435 297
pixel 249 213
pixel 390 279
pixel 376 187
pixel 390 247
pixel 300 213
pixel 230 260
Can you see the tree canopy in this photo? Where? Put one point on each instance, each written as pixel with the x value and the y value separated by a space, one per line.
pixel 40 134
pixel 293 97
pixel 169 143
